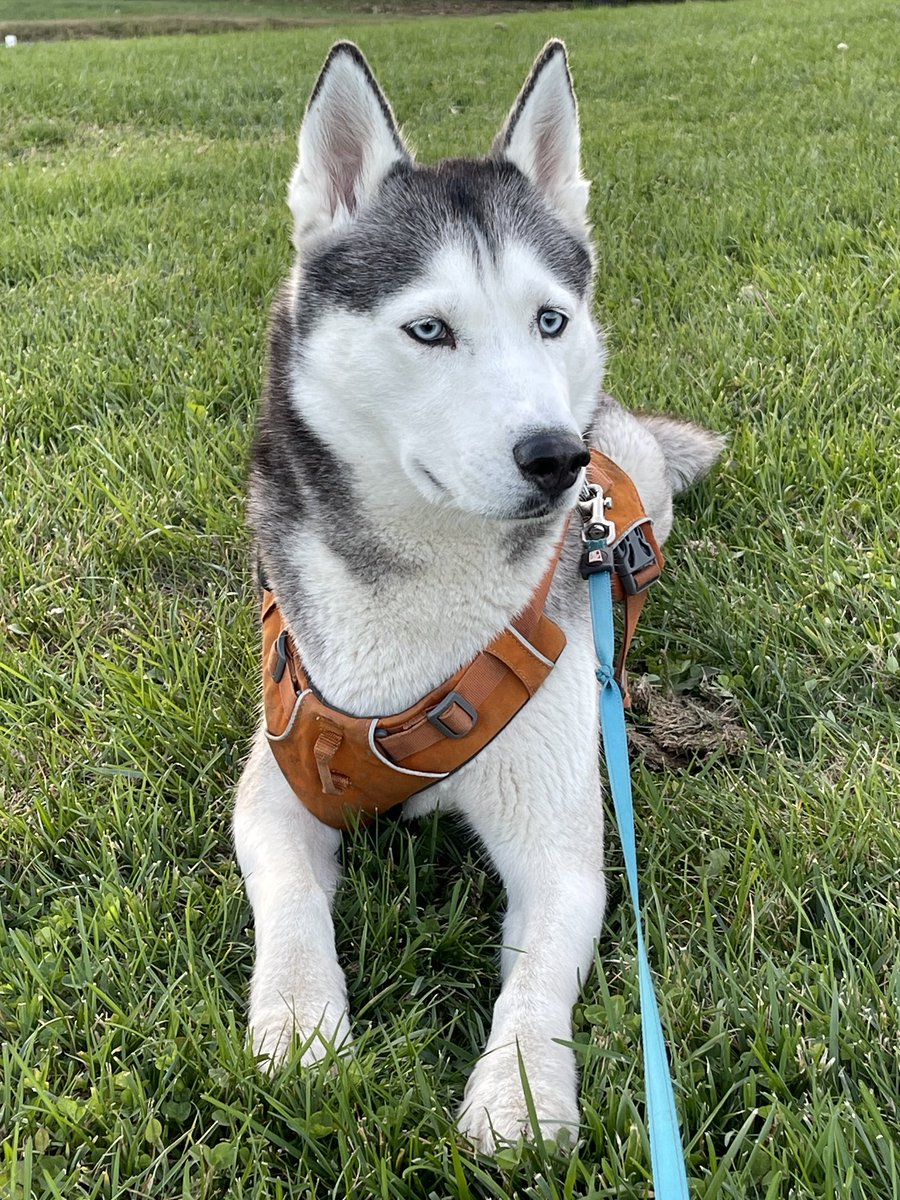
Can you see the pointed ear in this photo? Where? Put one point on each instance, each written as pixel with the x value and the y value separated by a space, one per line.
pixel 348 143
pixel 690 451
pixel 542 139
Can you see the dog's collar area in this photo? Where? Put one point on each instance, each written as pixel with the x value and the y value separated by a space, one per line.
pixel 347 768
pixel 619 540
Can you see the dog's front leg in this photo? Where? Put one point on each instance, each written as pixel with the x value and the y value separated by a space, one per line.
pixel 288 860
pixel 545 836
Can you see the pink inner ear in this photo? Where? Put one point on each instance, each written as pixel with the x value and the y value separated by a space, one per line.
pixel 345 162
pixel 546 153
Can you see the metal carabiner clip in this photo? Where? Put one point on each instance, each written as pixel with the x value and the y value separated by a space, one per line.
pixel 592 506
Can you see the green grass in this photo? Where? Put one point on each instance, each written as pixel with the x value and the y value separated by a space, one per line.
pixel 745 203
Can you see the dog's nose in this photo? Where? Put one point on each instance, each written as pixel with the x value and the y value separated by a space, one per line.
pixel 551 460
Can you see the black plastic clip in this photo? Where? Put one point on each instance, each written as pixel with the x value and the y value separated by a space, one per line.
pixel 281 661
pixel 632 555
pixel 594 560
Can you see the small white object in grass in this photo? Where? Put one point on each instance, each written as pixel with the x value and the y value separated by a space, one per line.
pixel 11 40
pixel 842 46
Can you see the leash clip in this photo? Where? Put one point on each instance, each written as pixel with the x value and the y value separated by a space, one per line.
pixel 592 505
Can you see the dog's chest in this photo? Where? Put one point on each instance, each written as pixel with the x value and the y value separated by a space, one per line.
pixel 374 647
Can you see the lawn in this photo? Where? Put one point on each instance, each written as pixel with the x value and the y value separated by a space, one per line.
pixel 746 208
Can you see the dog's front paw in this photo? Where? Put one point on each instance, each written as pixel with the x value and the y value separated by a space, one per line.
pixel 320 1029
pixel 495 1108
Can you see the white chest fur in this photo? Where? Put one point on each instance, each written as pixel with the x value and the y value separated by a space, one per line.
pixel 374 645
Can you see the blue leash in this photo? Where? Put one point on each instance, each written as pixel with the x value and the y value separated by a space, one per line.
pixel 666 1153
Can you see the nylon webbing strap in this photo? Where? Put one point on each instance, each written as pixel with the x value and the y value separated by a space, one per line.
pixel 634 606
pixel 666 1152
pixel 327 745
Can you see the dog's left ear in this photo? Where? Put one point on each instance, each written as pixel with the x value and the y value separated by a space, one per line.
pixel 541 136
pixel 689 450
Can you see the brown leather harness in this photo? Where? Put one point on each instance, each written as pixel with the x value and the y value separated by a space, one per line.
pixel 346 768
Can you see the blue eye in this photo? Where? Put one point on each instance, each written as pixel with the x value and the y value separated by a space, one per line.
pixel 551 322
pixel 431 331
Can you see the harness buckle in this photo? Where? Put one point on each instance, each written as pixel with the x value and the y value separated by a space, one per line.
pixel 435 714
pixel 633 555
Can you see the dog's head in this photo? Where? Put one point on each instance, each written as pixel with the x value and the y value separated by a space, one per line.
pixel 438 325
pixel 443 314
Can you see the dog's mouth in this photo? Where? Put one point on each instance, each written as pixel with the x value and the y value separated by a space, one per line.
pixel 429 485
pixel 531 511
pixel 432 480
pixel 534 513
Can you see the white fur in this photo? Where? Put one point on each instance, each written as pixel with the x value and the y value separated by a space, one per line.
pixel 532 795
pixel 455 413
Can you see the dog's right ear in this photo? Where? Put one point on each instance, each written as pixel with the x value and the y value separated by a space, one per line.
pixel 348 143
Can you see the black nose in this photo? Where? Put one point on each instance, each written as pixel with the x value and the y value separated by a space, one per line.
pixel 551 460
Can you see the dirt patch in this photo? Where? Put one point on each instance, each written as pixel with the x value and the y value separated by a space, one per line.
pixel 129 27
pixel 675 730
pixel 159 26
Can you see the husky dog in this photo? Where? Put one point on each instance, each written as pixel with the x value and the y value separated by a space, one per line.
pixel 434 375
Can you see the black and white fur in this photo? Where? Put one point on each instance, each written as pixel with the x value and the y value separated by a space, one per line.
pixel 400 535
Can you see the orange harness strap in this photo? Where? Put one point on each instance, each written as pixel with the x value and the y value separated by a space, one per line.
pixel 344 767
